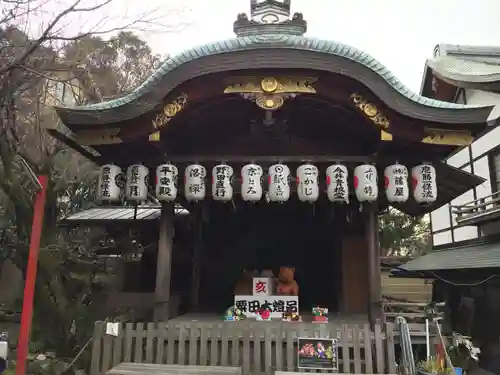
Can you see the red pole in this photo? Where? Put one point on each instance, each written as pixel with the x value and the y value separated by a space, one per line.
pixel 29 286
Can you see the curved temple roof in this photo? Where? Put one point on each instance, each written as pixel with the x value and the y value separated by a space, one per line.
pixel 256 34
pixel 466 65
pixel 462 70
pixel 274 41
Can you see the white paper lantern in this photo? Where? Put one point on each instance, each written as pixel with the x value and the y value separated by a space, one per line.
pixel 222 176
pixel 166 182
pixel 396 183
pixel 424 183
pixel 279 183
pixel 251 182
pixel 108 188
pixel 194 182
pixel 307 183
pixel 137 182
pixel 366 183
pixel 337 185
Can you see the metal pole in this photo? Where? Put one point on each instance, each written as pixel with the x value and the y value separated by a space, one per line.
pixel 29 286
pixel 427 339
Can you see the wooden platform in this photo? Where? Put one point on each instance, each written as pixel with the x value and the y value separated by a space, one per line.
pixel 256 347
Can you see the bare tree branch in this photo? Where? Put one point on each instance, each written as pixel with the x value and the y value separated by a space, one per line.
pixel 35 44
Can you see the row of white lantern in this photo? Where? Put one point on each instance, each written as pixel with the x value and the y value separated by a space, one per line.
pixel 397 190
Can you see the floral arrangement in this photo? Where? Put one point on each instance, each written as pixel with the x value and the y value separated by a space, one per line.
pixel 433 365
pixel 263 314
pixel 233 314
pixel 461 352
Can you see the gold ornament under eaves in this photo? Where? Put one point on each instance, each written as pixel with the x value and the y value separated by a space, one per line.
pixel 170 110
pixel 447 137
pixel 371 111
pixel 268 85
pixel 270 102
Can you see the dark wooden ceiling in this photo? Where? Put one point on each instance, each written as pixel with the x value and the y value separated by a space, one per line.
pixel 230 125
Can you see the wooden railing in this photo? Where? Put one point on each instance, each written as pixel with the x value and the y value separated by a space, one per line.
pixel 478 209
pixel 257 347
pixel 414 313
pixel 409 310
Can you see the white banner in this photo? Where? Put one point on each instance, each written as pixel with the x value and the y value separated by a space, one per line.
pixel 249 305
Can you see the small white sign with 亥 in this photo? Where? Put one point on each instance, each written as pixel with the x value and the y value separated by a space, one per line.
pixel 261 286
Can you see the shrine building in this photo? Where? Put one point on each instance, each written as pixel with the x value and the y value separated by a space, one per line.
pixel 267 150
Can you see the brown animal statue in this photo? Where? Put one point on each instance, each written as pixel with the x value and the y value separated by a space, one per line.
pixel 286 285
pixel 244 284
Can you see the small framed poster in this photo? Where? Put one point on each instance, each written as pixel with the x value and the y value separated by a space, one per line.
pixel 316 353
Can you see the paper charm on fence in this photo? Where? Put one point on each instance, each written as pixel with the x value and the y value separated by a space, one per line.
pixel 112 329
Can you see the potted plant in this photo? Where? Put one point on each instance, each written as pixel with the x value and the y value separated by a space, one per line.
pixel 432 366
pixel 462 354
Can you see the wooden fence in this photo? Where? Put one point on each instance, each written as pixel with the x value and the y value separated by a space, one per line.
pixel 258 347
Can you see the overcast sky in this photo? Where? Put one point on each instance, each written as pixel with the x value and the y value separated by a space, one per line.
pixel 399 33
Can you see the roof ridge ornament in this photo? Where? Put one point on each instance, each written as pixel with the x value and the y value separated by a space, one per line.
pixel 269 17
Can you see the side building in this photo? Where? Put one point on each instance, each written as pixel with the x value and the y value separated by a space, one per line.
pixel 465 263
pixel 468 75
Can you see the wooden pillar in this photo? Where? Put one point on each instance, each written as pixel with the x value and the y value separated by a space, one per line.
pixel 202 216
pixel 374 276
pixel 355 279
pixel 195 276
pixel 164 262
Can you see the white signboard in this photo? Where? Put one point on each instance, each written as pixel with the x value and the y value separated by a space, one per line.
pixel 250 305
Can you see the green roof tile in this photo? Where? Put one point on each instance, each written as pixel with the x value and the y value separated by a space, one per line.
pixel 276 41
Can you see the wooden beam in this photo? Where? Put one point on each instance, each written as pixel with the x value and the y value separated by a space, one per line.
pixel 207 159
pixel 164 263
pixel 110 136
pixel 69 141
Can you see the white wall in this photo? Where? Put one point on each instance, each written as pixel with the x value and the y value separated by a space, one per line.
pixel 473 159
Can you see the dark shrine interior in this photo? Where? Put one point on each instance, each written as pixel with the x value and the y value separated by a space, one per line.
pixel 265 237
pixel 261 237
